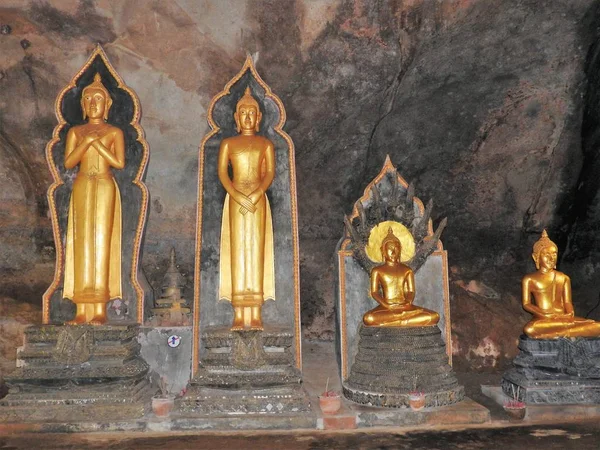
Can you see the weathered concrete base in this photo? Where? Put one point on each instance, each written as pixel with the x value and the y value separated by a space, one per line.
pixel 351 416
pixel 343 420
pixel 170 424
pixel 462 413
pixel 246 422
pixel 547 412
pixel 173 363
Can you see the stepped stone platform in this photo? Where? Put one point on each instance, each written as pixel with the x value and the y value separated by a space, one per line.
pixel 555 371
pixel 391 362
pixel 77 373
pixel 247 373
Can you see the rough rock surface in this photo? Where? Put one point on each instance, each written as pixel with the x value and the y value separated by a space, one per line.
pixel 15 316
pixel 490 106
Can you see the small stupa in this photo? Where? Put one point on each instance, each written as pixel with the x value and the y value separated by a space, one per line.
pixel 171 308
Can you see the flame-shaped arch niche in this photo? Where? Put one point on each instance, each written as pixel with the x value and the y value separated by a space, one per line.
pixel 124 114
pixel 283 314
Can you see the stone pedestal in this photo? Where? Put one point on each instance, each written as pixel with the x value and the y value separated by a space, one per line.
pixel 555 371
pixel 391 362
pixel 77 373
pixel 246 372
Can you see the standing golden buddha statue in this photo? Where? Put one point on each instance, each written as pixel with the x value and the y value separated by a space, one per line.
pixel 393 287
pixel 93 245
pixel 246 257
pixel 552 307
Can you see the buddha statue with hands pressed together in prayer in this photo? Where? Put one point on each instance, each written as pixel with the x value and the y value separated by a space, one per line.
pixel 93 244
pixel 393 287
pixel 547 295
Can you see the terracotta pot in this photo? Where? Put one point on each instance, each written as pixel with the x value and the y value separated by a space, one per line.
pixel 162 406
pixel 330 405
pixel 515 414
pixel 416 402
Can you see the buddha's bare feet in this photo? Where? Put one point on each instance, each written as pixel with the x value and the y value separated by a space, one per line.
pixel 78 320
pixel 237 325
pixel 238 319
pixel 98 320
pixel 256 325
pixel 255 319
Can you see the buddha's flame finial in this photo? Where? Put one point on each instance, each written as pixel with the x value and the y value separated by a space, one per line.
pixel 542 243
pixel 247 99
pixel 390 237
pixel 97 84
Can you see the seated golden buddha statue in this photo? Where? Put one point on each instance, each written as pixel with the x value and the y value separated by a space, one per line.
pixel 93 244
pixel 393 287
pixel 552 308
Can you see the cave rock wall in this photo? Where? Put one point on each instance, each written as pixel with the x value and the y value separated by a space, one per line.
pixel 489 106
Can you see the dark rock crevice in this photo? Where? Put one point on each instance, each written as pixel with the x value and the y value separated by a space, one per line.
pixel 580 212
pixel 85 22
pixel 28 69
pixel 407 55
pixel 20 165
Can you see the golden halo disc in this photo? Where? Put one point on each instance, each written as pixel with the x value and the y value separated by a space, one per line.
pixel 378 233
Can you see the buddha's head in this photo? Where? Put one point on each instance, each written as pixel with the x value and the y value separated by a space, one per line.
pixel 95 100
pixel 545 253
pixel 391 248
pixel 247 114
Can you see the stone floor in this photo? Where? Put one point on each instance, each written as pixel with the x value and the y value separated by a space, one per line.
pixel 580 436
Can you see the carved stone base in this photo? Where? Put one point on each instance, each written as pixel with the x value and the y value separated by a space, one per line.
pixel 392 362
pixel 105 402
pixel 555 371
pixel 288 400
pixel 77 373
pixel 246 372
pixel 246 360
pixel 389 400
pixel 230 377
pixel 247 350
